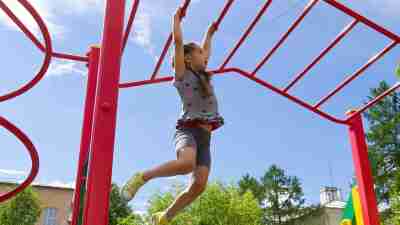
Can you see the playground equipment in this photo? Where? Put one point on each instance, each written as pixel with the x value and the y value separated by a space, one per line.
pixel 93 182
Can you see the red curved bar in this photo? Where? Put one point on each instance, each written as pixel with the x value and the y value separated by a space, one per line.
pixel 32 153
pixel 35 41
pixel 48 48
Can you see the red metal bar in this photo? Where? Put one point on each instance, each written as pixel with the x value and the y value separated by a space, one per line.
pixel 342 34
pixel 356 74
pixel 144 82
pixel 105 113
pixel 251 77
pixel 290 97
pixel 364 20
pixel 375 100
pixel 32 153
pixel 70 57
pixel 130 23
pixel 247 33
pixel 154 81
pixel 47 48
pixel 168 44
pixel 363 171
pixel 308 8
pixel 224 12
pixel 86 130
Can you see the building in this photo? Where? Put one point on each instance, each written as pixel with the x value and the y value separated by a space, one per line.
pixel 55 200
pixel 332 208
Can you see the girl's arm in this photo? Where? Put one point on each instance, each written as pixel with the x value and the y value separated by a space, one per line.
pixel 208 39
pixel 179 60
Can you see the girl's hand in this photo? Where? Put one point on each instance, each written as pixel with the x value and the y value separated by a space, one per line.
pixel 178 14
pixel 212 29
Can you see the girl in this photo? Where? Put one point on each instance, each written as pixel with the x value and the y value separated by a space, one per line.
pixel 198 119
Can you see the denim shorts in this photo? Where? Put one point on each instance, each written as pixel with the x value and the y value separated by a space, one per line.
pixel 197 138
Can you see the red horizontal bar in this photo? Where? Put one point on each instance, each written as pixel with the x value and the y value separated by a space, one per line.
pixel 153 81
pixel 168 44
pixel 375 100
pixel 247 33
pixel 70 57
pixel 364 20
pixel 356 74
pixel 144 82
pixel 308 8
pixel 342 34
pixel 130 23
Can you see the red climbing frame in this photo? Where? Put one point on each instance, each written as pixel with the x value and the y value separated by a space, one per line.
pixel 98 130
pixel 353 120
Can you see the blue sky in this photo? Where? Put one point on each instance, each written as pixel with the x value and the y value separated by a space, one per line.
pixel 261 128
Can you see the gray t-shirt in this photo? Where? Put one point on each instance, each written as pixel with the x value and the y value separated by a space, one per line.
pixel 196 105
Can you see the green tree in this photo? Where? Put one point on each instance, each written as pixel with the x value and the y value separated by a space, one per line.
pixel 219 205
pixel 391 215
pixel 24 209
pixel 119 209
pixel 249 183
pixel 383 140
pixel 131 220
pixel 284 199
pixel 280 196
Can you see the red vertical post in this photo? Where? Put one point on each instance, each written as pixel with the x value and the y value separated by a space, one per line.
pixel 86 135
pixel 105 115
pixel 363 170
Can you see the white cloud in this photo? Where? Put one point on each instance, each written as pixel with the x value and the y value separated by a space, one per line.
pixel 80 6
pixel 142 33
pixel 65 68
pixel 58 183
pixel 12 172
pixel 55 183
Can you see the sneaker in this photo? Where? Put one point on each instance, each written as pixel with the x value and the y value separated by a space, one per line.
pixel 131 187
pixel 159 219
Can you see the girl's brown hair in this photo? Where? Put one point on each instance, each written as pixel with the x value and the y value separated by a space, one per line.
pixel 188 48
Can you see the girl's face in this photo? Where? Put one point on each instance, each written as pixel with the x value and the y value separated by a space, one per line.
pixel 197 59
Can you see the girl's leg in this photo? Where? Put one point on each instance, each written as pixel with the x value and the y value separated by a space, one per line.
pixel 184 164
pixel 194 190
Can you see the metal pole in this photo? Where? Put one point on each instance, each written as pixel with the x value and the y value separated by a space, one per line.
pixel 105 114
pixel 85 136
pixel 363 170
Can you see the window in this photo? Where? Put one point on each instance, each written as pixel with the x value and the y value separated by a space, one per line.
pixel 50 215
